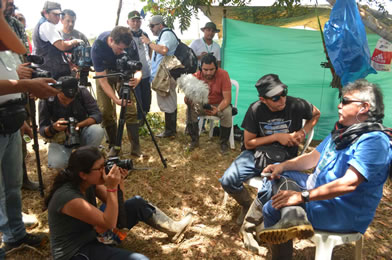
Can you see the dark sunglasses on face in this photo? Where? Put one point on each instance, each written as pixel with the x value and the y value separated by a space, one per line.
pixel 152 25
pixel 277 97
pixel 346 101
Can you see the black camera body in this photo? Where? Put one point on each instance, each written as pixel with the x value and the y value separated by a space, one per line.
pixel 126 164
pixel 207 107
pixel 73 137
pixel 128 66
pixel 81 56
pixel 37 61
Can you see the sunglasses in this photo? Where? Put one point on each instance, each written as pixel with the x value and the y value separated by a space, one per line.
pixel 277 97
pixel 152 25
pixel 346 101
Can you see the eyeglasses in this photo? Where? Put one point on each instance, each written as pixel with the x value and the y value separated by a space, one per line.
pixel 277 97
pixel 152 25
pixel 346 101
pixel 98 169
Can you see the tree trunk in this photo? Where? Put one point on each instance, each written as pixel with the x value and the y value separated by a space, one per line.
pixel 118 11
pixel 372 23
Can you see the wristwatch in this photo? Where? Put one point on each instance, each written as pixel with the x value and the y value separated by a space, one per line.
pixel 305 195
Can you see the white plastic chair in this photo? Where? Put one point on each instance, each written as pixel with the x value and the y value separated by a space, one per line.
pixel 326 241
pixel 256 182
pixel 213 118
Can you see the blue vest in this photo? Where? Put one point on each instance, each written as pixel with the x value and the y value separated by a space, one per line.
pixel 54 59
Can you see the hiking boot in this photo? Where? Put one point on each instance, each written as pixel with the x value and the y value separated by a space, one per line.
pixel 133 137
pixel 245 200
pixel 28 184
pixel 253 218
pixel 224 138
pixel 28 239
pixel 159 220
pixel 193 129
pixel 170 125
pixel 293 223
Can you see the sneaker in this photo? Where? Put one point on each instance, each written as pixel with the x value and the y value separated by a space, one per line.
pixel 28 239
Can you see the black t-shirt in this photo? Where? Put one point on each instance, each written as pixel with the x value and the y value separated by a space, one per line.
pixel 261 121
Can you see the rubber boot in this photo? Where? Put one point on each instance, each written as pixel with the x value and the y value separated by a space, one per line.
pixel 27 184
pixel 111 132
pixel 170 125
pixel 293 222
pixel 194 133
pixel 253 218
pixel 282 251
pixel 224 139
pixel 133 137
pixel 245 200
pixel 159 220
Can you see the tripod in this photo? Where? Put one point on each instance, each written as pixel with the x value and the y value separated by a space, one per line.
pixel 31 102
pixel 125 96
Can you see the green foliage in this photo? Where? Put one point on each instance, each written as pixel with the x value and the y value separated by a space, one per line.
pixel 183 10
pixel 155 122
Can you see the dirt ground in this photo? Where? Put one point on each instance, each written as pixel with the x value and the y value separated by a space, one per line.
pixel 190 184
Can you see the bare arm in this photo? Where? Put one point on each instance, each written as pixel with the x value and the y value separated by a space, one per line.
pixel 86 212
pixel 38 87
pixel 346 184
pixel 66 45
pixel 161 49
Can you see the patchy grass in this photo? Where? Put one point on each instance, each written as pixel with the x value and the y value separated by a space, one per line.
pixel 190 184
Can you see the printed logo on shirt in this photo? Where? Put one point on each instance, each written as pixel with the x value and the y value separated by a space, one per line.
pixel 274 126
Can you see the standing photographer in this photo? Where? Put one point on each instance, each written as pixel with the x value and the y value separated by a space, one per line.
pixel 74 218
pixel 12 116
pixel 69 119
pixel 49 43
pixel 106 50
pixel 68 19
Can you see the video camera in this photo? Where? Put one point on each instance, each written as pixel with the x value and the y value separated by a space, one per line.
pixel 127 66
pixel 36 62
pixel 126 164
pixel 73 137
pixel 81 56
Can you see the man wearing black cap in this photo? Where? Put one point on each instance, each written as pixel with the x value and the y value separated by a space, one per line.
pixel 206 45
pixel 55 114
pixel 49 43
pixel 275 119
pixel 143 90
pixel 12 116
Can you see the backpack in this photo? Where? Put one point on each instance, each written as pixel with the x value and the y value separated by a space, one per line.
pixel 185 55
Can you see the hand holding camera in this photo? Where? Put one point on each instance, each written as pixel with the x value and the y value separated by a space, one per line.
pixel 60 125
pixel 113 178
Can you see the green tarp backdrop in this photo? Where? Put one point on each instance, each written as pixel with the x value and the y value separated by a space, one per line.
pixel 252 50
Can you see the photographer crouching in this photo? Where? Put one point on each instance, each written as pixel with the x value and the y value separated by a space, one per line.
pixel 68 120
pixel 74 219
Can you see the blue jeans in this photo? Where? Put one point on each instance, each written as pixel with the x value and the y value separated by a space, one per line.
pixel 11 175
pixel 272 215
pixel 240 170
pixel 58 154
pixel 143 94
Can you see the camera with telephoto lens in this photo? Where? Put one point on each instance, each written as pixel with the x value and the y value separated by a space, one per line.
pixel 73 137
pixel 36 62
pixel 126 164
pixel 128 66
pixel 81 56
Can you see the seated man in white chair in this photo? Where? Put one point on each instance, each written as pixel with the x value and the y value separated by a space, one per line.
pixel 219 99
pixel 352 165
pixel 272 122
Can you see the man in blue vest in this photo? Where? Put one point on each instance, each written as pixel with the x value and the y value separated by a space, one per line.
pixel 49 43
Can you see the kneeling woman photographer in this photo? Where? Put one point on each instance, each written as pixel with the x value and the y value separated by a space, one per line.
pixel 74 218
